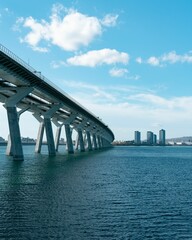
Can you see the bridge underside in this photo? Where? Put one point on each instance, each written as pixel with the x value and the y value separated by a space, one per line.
pixel 24 89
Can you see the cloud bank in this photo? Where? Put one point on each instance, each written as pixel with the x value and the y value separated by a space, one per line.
pixel 167 58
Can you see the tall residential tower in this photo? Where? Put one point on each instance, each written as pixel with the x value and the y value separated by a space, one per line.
pixel 149 137
pixel 162 137
pixel 137 140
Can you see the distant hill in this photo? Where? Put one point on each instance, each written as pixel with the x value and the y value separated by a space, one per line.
pixel 180 139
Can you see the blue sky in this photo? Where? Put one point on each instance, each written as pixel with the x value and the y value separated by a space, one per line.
pixel 128 61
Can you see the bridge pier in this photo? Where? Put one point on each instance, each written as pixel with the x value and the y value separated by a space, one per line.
pixel 15 136
pixel 40 132
pixel 98 141
pixel 94 142
pixel 39 138
pixel 49 134
pixel 58 133
pixel 69 141
pixel 9 150
pixel 15 144
pixel 89 144
pixel 81 141
pixel 57 138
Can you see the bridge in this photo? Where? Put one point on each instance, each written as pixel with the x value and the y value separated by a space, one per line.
pixel 22 89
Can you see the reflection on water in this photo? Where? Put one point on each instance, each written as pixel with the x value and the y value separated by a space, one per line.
pixel 121 193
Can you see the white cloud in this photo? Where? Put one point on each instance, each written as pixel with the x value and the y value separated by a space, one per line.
pixel 109 20
pixel 173 57
pixel 16 26
pixel 118 72
pixel 153 61
pixel 67 29
pixel 99 57
pixel 139 60
pixel 167 58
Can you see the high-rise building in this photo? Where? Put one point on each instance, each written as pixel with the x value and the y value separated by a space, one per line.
pixel 162 137
pixel 149 137
pixel 137 140
pixel 154 139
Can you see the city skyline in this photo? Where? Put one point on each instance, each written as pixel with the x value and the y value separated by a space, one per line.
pixel 127 62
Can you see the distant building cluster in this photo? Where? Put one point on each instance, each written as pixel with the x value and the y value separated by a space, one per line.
pixel 151 138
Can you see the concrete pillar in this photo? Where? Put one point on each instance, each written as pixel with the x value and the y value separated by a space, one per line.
pixel 85 140
pixel 81 142
pixel 9 150
pixel 49 134
pixel 104 142
pixel 77 142
pixel 94 142
pixel 89 141
pixel 39 138
pixel 57 138
pixel 98 140
pixel 15 135
pixel 69 139
pixel 101 142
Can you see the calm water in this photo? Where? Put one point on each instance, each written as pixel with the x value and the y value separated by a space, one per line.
pixel 121 193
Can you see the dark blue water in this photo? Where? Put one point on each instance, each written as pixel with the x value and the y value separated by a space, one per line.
pixel 121 193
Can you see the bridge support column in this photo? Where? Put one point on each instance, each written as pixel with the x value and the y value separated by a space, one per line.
pixel 57 138
pixel 49 134
pixel 81 141
pixel 48 128
pixel 89 141
pixel 15 135
pixel 40 132
pixel 104 142
pixel 9 150
pixel 77 142
pixel 99 142
pixel 58 133
pixel 94 142
pixel 15 144
pixel 69 138
pixel 39 138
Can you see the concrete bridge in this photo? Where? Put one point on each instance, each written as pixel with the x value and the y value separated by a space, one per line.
pixel 22 89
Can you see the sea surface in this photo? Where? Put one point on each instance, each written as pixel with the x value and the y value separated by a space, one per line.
pixel 119 193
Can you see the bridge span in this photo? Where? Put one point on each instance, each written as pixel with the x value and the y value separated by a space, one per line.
pixel 22 88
